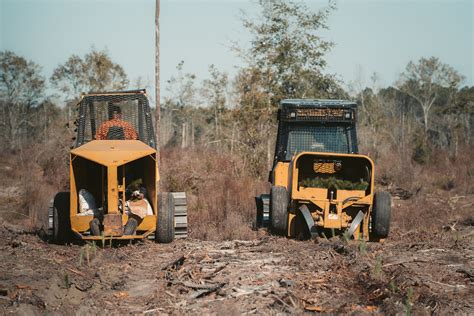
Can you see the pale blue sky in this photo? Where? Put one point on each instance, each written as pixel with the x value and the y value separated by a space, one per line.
pixel 381 36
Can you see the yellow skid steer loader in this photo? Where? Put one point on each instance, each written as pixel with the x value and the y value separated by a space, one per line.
pixel 114 176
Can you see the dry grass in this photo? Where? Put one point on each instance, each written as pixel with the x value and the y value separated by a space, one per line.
pixel 221 203
pixel 442 190
pixel 221 191
pixel 32 178
pixel 444 171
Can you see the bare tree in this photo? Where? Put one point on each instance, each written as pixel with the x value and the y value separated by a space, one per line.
pixel 423 81
pixel 178 107
pixel 21 89
pixel 95 72
pixel 214 93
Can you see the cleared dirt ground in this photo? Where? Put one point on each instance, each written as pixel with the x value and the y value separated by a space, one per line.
pixel 413 271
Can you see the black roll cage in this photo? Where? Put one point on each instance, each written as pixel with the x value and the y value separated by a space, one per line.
pixel 146 130
pixel 286 119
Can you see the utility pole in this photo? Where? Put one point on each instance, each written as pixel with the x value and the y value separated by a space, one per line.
pixel 157 78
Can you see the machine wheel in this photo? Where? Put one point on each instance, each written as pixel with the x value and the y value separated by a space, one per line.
pixel 61 221
pixel 259 217
pixel 381 214
pixel 279 210
pixel 165 220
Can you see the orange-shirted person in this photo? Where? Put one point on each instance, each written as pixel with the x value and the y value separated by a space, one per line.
pixel 116 128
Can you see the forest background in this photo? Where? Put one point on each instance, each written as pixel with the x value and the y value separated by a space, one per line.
pixel 217 135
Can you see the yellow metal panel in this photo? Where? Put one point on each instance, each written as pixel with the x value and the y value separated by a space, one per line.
pixel 319 194
pixel 73 190
pixel 294 179
pixel 125 237
pixel 333 155
pixel 81 223
pixel 281 174
pixel 113 152
pixel 368 199
pixel 291 225
pixel 339 155
pixel 344 194
pixel 310 194
pixel 112 190
pixel 148 223
pixel 332 220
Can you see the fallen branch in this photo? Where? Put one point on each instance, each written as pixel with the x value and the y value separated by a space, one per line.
pixel 175 264
pixel 207 290
pixel 77 272
pixel 153 310
pixel 433 249
pixel 404 261
pixel 288 307
pixel 170 294
pixel 450 227
pixel 216 271
pixel 456 286
pixel 198 286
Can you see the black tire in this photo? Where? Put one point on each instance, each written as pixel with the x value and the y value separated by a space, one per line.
pixel 61 220
pixel 381 214
pixel 165 218
pixel 279 210
pixel 259 218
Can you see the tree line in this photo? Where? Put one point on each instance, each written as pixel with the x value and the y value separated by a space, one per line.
pixel 425 110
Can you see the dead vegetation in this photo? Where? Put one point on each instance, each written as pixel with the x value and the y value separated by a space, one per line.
pixel 425 266
pixel 220 192
pixel 412 272
pixel 423 157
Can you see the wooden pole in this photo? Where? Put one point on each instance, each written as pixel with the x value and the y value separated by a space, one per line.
pixel 157 77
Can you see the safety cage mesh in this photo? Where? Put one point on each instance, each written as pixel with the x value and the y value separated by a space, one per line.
pixel 317 139
pixel 115 116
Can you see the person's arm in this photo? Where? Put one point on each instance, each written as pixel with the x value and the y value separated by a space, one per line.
pixel 130 132
pixel 102 132
pixel 134 133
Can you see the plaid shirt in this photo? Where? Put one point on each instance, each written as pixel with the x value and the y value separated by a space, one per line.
pixel 128 129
